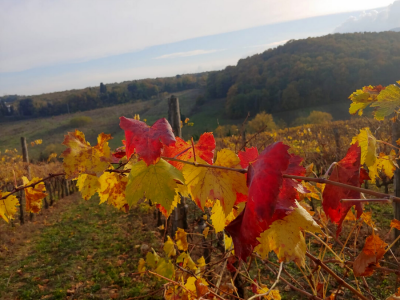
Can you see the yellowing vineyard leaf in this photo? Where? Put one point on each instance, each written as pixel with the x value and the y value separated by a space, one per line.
pixel 285 238
pixel 388 102
pixel 155 182
pixel 169 247
pixel 384 163
pixel 87 185
pixel 34 195
pixel 165 268
pixel 367 142
pixel 8 206
pixel 181 239
pixel 205 232
pixel 201 262
pixel 218 217
pixel 373 251
pixel 273 295
pixel 141 266
pixel 361 99
pixel 112 189
pixel 187 261
pixel 204 183
pixel 152 259
pixel 80 157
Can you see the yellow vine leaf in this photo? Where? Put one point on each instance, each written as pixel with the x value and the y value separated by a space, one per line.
pixel 205 232
pixel 112 189
pixel 201 262
pixel 228 243
pixel 313 191
pixel 367 142
pixel 367 218
pixel 156 182
pixel 8 206
pixel 384 163
pixel 169 247
pixel 87 185
pixel 218 217
pixel 209 183
pixel 187 261
pixel 191 286
pixel 285 238
pixel 388 102
pixel 181 239
pixel 165 268
pixel 361 99
pixel 80 157
pixel 273 295
pixel 34 195
pixel 141 266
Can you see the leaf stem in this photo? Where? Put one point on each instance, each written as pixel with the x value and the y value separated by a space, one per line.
pixel 334 275
pixel 275 283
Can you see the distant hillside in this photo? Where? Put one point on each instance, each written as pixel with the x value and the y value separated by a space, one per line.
pixel 104 95
pixel 396 29
pixel 307 73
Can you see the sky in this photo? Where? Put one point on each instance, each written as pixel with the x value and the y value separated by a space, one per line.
pixel 48 45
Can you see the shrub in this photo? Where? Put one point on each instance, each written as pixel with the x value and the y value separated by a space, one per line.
pixel 315 117
pixel 261 121
pixel 80 121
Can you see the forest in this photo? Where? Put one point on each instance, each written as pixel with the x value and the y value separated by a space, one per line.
pixel 303 73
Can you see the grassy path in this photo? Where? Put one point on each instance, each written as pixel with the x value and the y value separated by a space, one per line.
pixel 80 250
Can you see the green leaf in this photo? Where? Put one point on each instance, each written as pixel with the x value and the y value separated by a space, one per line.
pixel 361 99
pixel 388 102
pixel 165 268
pixel 152 259
pixel 155 182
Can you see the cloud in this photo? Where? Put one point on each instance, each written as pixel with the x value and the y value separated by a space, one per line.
pixel 38 33
pixel 374 20
pixel 267 46
pixel 188 53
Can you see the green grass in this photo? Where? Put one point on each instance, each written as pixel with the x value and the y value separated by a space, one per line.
pixel 88 252
pixel 52 130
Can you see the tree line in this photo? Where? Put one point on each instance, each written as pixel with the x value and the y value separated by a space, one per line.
pixel 97 97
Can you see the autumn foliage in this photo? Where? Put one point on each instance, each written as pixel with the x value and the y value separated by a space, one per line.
pixel 256 201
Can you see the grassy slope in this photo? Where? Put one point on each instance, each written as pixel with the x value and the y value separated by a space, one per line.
pixel 52 130
pixel 77 248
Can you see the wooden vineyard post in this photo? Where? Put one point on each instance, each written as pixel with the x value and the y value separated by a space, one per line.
pixel 49 188
pixel 21 207
pixel 25 159
pixel 396 178
pixel 174 117
pixel 25 156
pixel 66 187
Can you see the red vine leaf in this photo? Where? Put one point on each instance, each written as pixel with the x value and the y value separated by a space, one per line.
pixel 249 155
pixel 204 149
pixel 264 188
pixel 346 171
pixel 145 140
